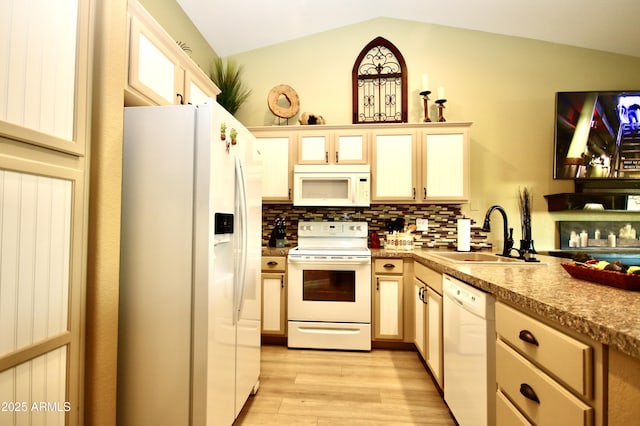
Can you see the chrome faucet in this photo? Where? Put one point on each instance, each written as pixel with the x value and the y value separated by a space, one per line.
pixel 508 232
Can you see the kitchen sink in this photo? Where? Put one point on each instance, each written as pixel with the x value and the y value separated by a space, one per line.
pixel 474 257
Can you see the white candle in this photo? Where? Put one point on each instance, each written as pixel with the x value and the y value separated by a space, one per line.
pixel 584 239
pixel 441 93
pixel 425 82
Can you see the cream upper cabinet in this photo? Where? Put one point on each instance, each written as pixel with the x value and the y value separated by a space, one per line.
pixel 393 171
pixel 278 153
pixel 160 73
pixel 417 163
pixel 444 164
pixel 343 146
pixel 421 164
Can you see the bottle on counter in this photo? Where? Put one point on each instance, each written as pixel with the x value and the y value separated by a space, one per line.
pixel 281 233
pixel 612 240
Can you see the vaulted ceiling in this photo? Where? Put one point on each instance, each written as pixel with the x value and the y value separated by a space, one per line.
pixel 235 26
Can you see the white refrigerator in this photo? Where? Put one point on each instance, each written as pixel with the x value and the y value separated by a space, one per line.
pixel 189 320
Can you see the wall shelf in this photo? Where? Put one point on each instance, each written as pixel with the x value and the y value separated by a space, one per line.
pixel 612 194
pixel 577 201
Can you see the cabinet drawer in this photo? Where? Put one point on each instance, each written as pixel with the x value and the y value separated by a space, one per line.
pixel 517 377
pixel 507 414
pixel 274 263
pixel 563 356
pixel 429 277
pixel 388 266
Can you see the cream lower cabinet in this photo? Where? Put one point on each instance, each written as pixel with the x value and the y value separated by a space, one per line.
pixel 419 311
pixel 434 335
pixel 545 375
pixel 274 295
pixel 428 319
pixel 387 299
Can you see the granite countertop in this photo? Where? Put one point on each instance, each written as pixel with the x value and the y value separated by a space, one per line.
pixel 606 314
pixel 274 251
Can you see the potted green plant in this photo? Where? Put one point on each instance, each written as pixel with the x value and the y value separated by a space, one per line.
pixel 234 136
pixel 227 76
pixel 223 131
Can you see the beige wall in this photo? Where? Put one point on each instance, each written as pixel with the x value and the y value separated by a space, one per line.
pixel 505 85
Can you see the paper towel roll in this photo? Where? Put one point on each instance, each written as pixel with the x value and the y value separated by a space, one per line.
pixel 464 234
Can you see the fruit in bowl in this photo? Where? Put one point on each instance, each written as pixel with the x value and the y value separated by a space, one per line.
pixel 615 266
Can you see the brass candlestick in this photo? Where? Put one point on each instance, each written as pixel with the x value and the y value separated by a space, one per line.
pixel 425 97
pixel 440 103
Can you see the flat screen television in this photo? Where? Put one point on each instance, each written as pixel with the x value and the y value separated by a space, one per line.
pixel 597 135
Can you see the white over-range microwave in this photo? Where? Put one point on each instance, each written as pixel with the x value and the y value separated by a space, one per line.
pixel 332 185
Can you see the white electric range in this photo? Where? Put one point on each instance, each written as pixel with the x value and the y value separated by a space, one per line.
pixel 329 279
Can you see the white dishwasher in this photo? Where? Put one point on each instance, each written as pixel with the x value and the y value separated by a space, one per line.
pixel 469 335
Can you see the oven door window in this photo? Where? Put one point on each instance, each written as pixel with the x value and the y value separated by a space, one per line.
pixel 329 286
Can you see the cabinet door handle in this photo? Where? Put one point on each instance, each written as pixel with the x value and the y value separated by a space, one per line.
pixel 289 193
pixel 181 98
pixel 421 294
pixel 528 392
pixel 337 157
pixel 424 197
pixel 389 266
pixel 414 193
pixel 527 336
pixel 282 281
pixel 377 284
pixel 272 263
pixel 424 299
pixel 326 156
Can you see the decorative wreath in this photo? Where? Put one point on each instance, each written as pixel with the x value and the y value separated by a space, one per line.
pixel 291 96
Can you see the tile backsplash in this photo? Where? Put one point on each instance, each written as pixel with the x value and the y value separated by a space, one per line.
pixel 441 232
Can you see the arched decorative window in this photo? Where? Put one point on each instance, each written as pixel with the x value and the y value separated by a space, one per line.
pixel 379 84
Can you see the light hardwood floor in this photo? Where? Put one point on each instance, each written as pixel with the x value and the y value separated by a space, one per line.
pixel 311 387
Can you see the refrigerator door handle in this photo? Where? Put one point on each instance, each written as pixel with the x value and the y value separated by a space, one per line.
pixel 241 268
